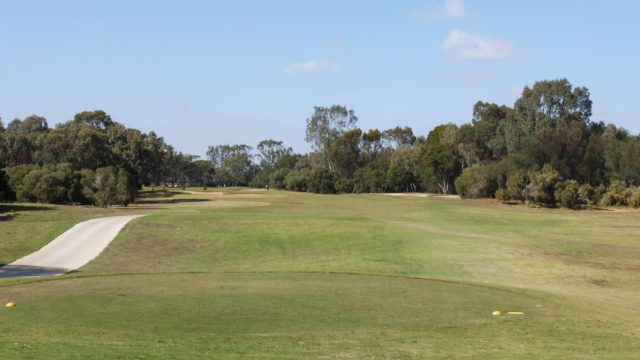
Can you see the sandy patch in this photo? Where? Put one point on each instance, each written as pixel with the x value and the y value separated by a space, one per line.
pixel 205 192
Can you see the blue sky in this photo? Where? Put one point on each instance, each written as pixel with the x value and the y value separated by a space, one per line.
pixel 203 73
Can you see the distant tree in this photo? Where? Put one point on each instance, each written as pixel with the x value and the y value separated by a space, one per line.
pixel 398 136
pixel 270 151
pixel 326 125
pixel 217 154
pixel 97 119
pixel 439 162
pixel 344 152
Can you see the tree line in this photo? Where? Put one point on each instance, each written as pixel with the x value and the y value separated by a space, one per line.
pixel 544 150
pixel 90 159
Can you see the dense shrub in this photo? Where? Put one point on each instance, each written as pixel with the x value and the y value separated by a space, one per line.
pixel 16 175
pixel 297 180
pixel 399 179
pixel 343 185
pixel 617 194
pixel 111 186
pixel 598 193
pixel 368 180
pixel 278 177
pixel 322 181
pixel 587 194
pixel 634 199
pixel 542 187
pixel 56 184
pixel 478 181
pixel 5 191
pixel 567 194
pixel 516 183
pixel 262 178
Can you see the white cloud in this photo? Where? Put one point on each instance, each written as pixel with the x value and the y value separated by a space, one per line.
pixel 311 66
pixel 450 9
pixel 467 46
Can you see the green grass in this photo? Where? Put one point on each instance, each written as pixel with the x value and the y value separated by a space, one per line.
pixel 251 274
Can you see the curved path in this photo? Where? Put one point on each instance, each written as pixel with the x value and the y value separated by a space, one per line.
pixel 69 251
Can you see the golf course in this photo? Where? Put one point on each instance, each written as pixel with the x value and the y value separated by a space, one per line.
pixel 242 273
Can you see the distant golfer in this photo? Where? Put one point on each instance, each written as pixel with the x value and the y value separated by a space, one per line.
pixel 267 187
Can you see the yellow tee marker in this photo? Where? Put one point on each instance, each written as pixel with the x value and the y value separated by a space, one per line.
pixel 496 313
pixel 515 313
pixel 10 304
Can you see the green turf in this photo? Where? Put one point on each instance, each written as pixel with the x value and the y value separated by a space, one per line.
pixel 251 274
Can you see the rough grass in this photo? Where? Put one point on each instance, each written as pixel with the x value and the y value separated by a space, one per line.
pixel 251 274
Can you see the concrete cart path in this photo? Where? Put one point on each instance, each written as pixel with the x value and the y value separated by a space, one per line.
pixel 69 251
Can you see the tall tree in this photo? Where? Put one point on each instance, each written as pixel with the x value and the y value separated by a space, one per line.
pixel 326 125
pixel 344 152
pixel 270 151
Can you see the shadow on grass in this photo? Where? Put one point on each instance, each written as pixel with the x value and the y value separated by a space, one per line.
pixel 8 210
pixel 17 271
pixel 159 194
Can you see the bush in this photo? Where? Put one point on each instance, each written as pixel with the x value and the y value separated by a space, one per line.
pixel 368 180
pixel 297 180
pixel 111 186
pixel 6 193
pixel 322 181
pixel 598 193
pixel 567 194
pixel 480 181
pixel 617 194
pixel 262 178
pixel 634 199
pixel 542 187
pixel 398 179
pixel 48 184
pixel 278 177
pixel 16 175
pixel 587 194
pixel 343 185
pixel 516 183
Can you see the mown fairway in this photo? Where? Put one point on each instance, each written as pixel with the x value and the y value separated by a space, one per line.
pixel 257 275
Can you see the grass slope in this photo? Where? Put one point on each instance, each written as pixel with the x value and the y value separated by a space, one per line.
pixel 251 274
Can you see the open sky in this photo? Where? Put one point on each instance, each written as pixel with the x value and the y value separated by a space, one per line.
pixel 203 73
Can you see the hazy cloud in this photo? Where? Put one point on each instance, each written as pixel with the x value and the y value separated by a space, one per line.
pixel 467 46
pixel 450 9
pixel 311 66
